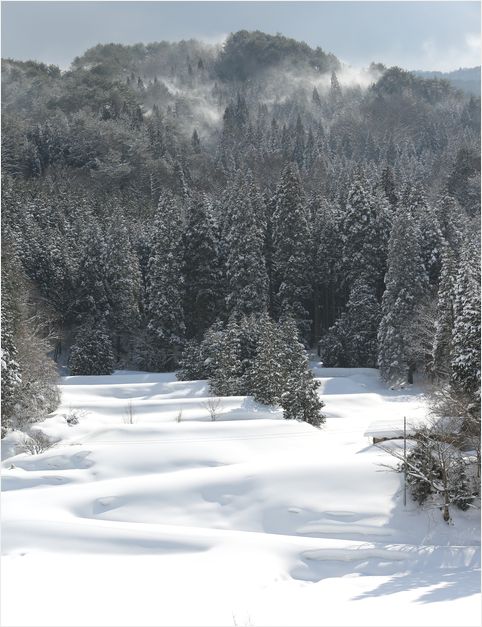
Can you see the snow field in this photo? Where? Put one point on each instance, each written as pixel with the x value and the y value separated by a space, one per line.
pixel 248 520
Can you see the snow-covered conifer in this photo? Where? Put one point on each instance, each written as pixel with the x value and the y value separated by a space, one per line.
pixel 291 254
pixel 201 268
pixel 406 284
pixel 165 287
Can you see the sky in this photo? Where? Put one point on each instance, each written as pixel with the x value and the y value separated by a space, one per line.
pixel 415 35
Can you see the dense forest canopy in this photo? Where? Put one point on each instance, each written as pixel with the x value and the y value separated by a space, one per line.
pixel 337 198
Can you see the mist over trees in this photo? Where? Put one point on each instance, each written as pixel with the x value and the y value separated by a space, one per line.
pixel 160 195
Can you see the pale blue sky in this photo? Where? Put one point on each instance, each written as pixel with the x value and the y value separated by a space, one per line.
pixel 414 35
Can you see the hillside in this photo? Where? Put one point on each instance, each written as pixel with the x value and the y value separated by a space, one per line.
pixel 465 79
pixel 246 520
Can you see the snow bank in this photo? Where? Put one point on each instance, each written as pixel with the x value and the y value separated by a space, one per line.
pixel 247 520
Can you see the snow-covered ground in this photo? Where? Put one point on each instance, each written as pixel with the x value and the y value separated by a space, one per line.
pixel 248 520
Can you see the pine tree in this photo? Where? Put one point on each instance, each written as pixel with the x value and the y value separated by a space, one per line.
pixel 365 235
pixel 466 329
pixel 165 287
pixel 299 145
pixel 201 268
pixel 442 347
pixel 92 300
pixel 123 281
pixel 92 353
pixel 246 274
pixel 406 284
pixel 389 187
pixel 432 242
pixel 299 399
pixel 335 90
pixel 352 341
pixel 291 248
pixel 267 375
pixel 226 377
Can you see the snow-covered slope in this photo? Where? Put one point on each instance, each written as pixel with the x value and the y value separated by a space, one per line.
pixel 248 520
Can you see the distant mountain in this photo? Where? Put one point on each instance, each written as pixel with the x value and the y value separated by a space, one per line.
pixel 465 79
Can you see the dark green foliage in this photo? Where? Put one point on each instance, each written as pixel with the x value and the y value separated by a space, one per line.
pixel 226 380
pixel 465 363
pixel 92 353
pixel 406 285
pixel 202 268
pixel 247 279
pixel 302 183
pixel 246 54
pixel 352 341
pixel 165 318
pixel 299 399
pixel 291 244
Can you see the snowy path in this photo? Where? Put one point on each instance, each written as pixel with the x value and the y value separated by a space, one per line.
pixel 249 520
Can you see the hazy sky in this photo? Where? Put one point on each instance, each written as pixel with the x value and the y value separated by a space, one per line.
pixel 415 35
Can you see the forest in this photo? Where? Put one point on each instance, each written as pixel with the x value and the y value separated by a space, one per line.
pixel 217 210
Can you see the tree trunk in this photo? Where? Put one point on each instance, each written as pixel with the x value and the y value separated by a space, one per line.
pixel 446 512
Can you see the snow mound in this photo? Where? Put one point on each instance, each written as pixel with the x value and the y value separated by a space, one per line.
pixel 248 519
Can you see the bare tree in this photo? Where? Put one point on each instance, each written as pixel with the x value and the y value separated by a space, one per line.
pixel 212 406
pixel 36 442
pixel 435 466
pixel 129 414
pixel 464 415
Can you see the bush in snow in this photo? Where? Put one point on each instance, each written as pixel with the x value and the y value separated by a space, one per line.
pixel 36 442
pixel 92 352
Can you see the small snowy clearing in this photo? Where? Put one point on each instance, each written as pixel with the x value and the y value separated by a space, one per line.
pixel 170 518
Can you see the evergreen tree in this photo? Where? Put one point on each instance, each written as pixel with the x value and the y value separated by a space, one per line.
pixel 406 284
pixel 365 236
pixel 123 281
pixel 247 279
pixel 466 329
pixel 291 247
pixel 92 353
pixel 352 340
pixel 201 268
pixel 299 399
pixel 29 377
pixel 442 347
pixel 92 300
pixel 226 377
pixel 267 374
pixel 165 287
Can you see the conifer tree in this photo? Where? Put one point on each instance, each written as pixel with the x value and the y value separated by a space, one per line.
pixel 466 329
pixel 406 284
pixel 299 399
pixel 92 353
pixel 267 375
pixel 291 248
pixel 226 377
pixel 352 341
pixel 201 268
pixel 365 235
pixel 247 279
pixel 123 281
pixel 442 347
pixel 92 300
pixel 165 287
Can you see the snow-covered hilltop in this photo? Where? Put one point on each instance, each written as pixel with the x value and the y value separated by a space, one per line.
pixel 147 512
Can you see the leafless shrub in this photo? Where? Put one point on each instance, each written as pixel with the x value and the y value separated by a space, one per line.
pixel 37 442
pixel 129 414
pixel 179 416
pixel 212 406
